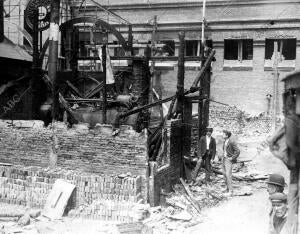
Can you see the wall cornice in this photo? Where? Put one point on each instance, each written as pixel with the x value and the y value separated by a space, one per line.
pixel 184 4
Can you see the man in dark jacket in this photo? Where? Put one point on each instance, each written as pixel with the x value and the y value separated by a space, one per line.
pixel 206 153
pixel 230 155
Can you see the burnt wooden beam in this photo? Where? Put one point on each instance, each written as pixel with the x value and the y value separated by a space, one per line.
pixel 95 90
pixel 205 66
pixel 82 100
pixel 145 107
pixel 180 73
pixel 53 55
pixel 73 88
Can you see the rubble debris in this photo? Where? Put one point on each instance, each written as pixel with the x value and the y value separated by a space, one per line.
pixel 57 199
pixel 34 213
pixel 134 228
pixel 189 193
pixel 24 220
pixel 183 215
pixel 243 178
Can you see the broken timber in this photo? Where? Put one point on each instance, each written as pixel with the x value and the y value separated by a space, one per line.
pixel 190 195
pixel 193 89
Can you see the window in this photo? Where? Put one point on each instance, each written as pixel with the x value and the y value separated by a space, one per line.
pixel 286 49
pixel 238 49
pixel 191 47
pixel 118 49
pixel 168 48
pixel 84 41
pixel 136 51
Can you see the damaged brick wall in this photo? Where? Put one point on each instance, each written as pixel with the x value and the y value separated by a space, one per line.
pixel 30 186
pixel 169 174
pixel 78 149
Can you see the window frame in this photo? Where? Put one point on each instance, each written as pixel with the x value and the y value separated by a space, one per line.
pixel 240 63
pixel 283 65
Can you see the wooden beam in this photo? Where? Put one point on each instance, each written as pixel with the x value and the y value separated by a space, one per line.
pixel 74 89
pixel 203 69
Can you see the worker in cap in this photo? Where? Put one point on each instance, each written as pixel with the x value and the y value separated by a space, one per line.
pixel 278 216
pixel 275 183
pixel 206 152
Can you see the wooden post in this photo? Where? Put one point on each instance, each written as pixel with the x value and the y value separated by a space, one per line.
pixel 104 82
pixel 275 86
pixel 53 54
pixel 180 74
pixel 152 71
pixel 35 82
pixel 180 89
pixel 130 40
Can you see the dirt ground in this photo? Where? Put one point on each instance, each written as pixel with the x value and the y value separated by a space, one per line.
pixel 238 214
pixel 244 214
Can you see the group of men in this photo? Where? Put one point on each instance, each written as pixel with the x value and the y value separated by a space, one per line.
pixel 276 183
pixel 278 213
pixel 207 153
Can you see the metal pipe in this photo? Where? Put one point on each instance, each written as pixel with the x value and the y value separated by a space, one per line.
pixel 104 82
pixel 203 22
pixel 108 11
pixel 1 21
pixel 275 86
pixel 53 55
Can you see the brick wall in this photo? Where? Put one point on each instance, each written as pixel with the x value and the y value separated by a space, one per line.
pixel 102 196
pixel 169 174
pixel 78 149
pixel 245 89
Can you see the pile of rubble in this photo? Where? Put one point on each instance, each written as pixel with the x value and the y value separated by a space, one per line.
pixel 184 207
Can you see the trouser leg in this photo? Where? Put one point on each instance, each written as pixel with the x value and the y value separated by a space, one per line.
pixel 196 169
pixel 228 173
pixel 207 167
pixel 224 170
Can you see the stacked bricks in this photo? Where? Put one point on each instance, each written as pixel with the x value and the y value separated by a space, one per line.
pixel 31 186
pixel 106 209
pixel 80 149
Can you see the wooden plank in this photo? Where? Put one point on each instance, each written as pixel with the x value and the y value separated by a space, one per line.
pixel 58 199
pixel 190 195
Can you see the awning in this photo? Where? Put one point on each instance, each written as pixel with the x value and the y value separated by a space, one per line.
pixel 12 51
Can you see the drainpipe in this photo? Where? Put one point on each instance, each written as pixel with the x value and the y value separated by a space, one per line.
pixel 1 21
pixel 53 54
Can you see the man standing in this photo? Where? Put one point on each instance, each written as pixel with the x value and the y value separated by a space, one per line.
pixel 230 155
pixel 206 152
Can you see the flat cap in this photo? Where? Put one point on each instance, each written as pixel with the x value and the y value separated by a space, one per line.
pixel 278 197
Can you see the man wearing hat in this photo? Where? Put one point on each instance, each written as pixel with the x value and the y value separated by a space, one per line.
pixel 206 152
pixel 275 183
pixel 278 216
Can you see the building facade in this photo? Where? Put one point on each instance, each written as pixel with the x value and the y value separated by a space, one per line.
pixel 242 32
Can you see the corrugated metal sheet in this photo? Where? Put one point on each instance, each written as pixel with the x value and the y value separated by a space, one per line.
pixel 12 51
